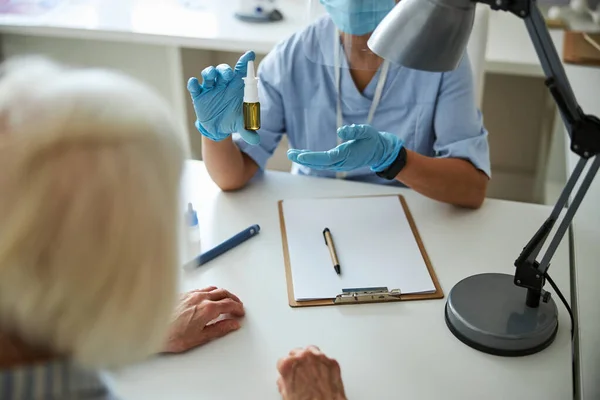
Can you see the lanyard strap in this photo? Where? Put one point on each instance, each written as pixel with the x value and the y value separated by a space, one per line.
pixel 338 76
pixel 337 49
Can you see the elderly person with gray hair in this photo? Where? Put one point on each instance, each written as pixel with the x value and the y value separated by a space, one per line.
pixel 90 167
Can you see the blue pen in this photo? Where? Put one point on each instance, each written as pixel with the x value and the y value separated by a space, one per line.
pixel 228 244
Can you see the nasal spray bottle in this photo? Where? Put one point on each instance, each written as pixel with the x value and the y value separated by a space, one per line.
pixel 251 104
pixel 193 237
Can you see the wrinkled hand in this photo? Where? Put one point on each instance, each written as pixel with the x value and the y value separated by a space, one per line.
pixel 218 102
pixel 193 325
pixel 364 147
pixel 308 374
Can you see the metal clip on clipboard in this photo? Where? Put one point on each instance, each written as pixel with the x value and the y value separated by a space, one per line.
pixel 367 295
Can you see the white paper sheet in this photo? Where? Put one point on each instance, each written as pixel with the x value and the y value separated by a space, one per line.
pixel 373 241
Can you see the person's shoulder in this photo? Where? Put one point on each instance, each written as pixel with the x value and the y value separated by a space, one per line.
pixel 462 70
pixel 308 39
pixel 302 46
pixel 422 78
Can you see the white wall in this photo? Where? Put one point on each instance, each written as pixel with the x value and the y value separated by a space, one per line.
pixel 556 173
pixel 157 66
pixel 516 111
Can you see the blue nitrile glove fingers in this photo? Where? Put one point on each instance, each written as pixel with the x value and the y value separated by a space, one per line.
pixel 250 137
pixel 364 146
pixel 218 101
pixel 386 146
pixel 292 154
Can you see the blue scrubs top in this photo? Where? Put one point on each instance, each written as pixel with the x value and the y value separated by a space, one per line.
pixel 434 113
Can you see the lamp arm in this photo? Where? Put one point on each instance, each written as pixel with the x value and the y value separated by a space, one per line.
pixel 526 262
pixel 584 134
pixel 570 213
pixel 583 130
pixel 556 77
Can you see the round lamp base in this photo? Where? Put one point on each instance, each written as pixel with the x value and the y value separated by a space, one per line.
pixel 488 313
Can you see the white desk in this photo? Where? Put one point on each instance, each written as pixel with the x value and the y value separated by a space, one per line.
pixel 386 351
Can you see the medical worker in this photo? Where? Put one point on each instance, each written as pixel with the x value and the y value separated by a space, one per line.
pixel 347 113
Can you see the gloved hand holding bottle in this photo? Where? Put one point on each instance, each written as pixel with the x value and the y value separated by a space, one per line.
pixel 218 101
pixel 364 147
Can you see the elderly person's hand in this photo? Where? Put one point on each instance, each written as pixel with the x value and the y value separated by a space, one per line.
pixel 310 374
pixel 203 315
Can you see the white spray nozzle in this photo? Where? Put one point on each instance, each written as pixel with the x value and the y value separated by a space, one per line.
pixel 250 85
pixel 250 69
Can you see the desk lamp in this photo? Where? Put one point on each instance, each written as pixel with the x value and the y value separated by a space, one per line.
pixel 501 314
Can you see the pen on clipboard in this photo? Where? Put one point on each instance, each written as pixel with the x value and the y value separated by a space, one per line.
pixel 332 252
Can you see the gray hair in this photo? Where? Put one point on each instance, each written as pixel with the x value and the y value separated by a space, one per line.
pixel 90 167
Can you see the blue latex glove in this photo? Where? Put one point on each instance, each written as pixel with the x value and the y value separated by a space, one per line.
pixel 218 101
pixel 365 147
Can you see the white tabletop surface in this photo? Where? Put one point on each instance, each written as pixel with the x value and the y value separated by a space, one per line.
pixel 395 351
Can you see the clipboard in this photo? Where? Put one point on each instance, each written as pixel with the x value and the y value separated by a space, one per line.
pixel 362 295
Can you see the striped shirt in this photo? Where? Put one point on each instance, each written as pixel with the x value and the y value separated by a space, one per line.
pixel 53 380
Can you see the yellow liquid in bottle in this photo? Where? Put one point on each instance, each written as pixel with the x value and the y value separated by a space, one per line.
pixel 252 116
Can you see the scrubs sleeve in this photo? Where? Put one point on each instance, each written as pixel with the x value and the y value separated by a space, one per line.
pixel 271 115
pixel 458 123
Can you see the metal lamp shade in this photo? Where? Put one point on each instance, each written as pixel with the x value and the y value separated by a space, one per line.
pixel 428 35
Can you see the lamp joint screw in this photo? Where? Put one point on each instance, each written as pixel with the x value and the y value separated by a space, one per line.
pixel 537 277
pixel 546 297
pixel 519 282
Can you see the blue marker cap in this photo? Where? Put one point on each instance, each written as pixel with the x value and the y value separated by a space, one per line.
pixel 192 215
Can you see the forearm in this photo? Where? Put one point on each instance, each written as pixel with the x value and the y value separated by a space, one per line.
pixel 448 180
pixel 227 165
